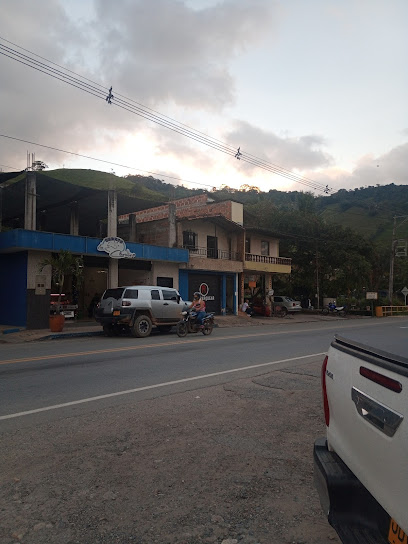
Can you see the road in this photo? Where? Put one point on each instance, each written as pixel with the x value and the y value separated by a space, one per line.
pixel 166 440
pixel 49 377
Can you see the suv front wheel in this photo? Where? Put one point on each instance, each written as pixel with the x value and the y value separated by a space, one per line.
pixel 142 326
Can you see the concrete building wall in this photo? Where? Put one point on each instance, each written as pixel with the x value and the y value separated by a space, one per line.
pixel 217 265
pixel 199 206
pixel 156 233
pixel 33 261
pixel 256 244
pixel 38 290
pixel 166 270
pixel 204 229
pixel 237 213
pixel 135 277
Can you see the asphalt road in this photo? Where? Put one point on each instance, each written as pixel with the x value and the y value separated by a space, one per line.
pixel 202 440
pixel 48 380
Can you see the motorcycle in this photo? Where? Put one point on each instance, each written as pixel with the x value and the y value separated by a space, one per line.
pixel 188 324
pixel 334 310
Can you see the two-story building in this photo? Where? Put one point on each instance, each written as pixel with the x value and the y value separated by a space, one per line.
pixel 40 214
pixel 192 244
pixel 226 261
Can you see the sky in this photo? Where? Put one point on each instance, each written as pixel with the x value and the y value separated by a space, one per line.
pixel 316 87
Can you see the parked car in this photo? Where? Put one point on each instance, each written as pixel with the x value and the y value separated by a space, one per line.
pixel 137 308
pixel 288 303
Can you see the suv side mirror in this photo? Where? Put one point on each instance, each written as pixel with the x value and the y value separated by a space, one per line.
pixel 178 299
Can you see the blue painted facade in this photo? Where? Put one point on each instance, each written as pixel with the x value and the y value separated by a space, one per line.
pixel 14 248
pixel 83 245
pixel 13 289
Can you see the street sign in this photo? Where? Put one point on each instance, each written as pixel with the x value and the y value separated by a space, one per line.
pixel 371 295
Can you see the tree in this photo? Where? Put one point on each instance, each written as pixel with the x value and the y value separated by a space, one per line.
pixel 63 264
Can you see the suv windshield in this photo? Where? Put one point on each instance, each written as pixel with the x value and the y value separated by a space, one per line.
pixel 113 293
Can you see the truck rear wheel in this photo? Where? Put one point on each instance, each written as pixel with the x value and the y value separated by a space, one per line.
pixel 142 327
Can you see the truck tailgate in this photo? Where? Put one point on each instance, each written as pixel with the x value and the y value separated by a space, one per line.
pixel 368 426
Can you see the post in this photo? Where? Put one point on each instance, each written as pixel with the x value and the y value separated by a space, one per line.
pixel 392 256
pixel 172 225
pixel 132 228
pixel 74 219
pixel 113 275
pixel 30 208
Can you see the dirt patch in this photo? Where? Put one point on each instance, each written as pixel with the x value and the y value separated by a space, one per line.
pixel 226 464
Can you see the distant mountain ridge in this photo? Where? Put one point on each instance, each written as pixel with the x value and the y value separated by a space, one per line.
pixel 369 211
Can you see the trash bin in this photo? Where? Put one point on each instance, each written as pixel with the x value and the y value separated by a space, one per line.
pixel 378 311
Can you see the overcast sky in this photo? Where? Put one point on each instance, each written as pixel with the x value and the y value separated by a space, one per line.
pixel 318 87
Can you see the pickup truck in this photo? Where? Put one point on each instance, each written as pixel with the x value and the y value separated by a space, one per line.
pixel 361 466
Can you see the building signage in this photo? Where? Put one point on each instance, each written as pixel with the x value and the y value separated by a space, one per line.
pixel 204 290
pixel 116 248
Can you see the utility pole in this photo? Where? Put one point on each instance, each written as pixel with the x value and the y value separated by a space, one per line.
pixel 392 256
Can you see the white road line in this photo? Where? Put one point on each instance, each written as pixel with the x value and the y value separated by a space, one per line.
pixel 156 386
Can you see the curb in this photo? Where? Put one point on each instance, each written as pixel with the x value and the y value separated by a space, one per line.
pixel 58 336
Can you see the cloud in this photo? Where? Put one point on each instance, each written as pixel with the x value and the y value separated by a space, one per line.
pixel 369 171
pixel 167 51
pixel 293 153
pixel 161 53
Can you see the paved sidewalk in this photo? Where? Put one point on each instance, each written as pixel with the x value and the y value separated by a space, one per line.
pixel 77 329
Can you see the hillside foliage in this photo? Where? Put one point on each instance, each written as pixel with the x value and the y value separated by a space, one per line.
pixel 341 242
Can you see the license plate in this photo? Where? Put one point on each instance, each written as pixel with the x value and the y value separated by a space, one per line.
pixel 116 312
pixel 396 535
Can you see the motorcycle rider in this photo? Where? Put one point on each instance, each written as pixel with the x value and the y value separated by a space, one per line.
pixel 198 305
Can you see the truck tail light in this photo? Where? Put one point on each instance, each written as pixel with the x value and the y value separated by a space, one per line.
pixel 376 377
pixel 324 390
pixel 126 303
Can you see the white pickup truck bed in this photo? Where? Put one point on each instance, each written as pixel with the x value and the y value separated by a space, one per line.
pixel 361 467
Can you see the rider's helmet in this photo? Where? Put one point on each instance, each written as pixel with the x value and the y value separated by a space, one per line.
pixel 197 294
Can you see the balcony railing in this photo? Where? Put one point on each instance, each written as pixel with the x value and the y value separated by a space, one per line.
pixel 266 259
pixel 213 253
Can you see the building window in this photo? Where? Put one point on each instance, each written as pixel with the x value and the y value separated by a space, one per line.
pixel 189 239
pixel 164 282
pixel 247 245
pixel 212 247
pixel 264 247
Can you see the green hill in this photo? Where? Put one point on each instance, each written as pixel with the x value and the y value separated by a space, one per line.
pixel 369 211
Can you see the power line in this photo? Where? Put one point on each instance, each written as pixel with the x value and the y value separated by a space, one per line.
pixel 102 160
pixel 12 168
pixel 136 108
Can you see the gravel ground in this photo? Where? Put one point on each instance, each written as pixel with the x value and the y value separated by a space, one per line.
pixel 227 464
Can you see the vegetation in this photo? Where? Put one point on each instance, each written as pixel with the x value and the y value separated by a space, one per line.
pixel 341 241
pixel 63 264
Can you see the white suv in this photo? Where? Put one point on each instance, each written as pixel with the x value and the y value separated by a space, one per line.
pixel 136 308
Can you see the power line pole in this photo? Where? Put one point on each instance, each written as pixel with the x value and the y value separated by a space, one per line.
pixel 392 256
